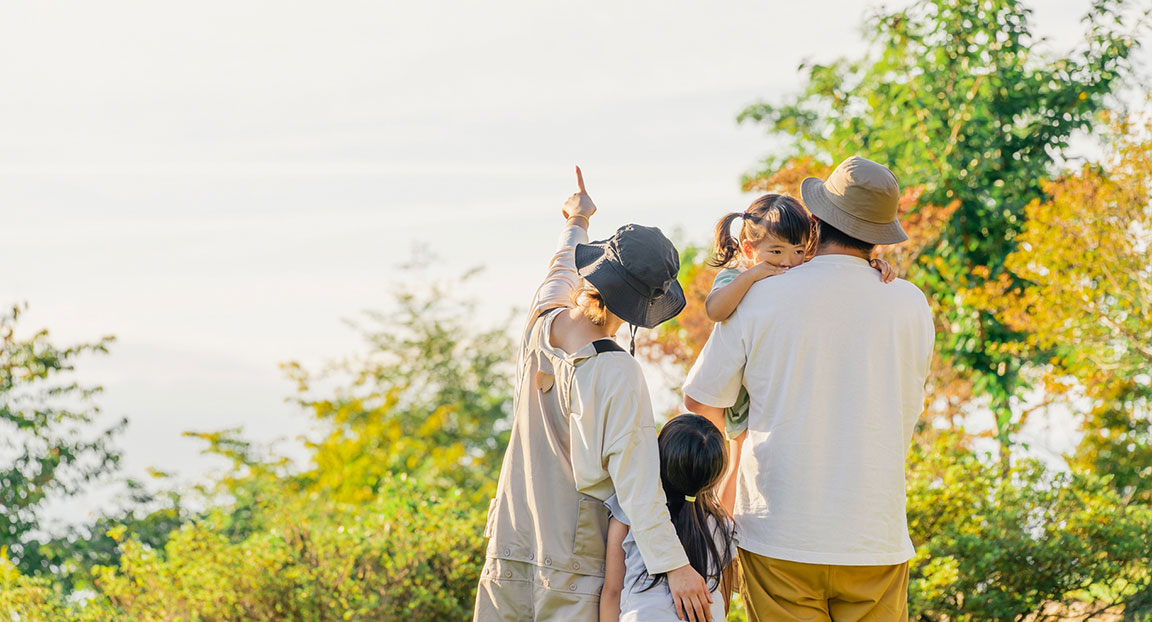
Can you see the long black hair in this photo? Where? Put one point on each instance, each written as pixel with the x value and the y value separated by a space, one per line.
pixel 693 457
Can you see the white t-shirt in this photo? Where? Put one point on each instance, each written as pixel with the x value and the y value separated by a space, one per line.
pixel 835 363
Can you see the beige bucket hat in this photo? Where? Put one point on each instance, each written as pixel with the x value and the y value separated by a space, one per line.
pixel 859 198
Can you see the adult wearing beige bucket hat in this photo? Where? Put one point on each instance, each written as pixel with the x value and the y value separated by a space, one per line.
pixel 835 363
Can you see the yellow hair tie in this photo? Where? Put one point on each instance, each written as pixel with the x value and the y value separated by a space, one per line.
pixel 690 499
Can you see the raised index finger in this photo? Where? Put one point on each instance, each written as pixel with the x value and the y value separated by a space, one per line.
pixel 580 180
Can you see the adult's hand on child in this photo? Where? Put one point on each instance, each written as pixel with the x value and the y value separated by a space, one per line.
pixel 579 204
pixel 691 595
pixel 887 274
pixel 765 269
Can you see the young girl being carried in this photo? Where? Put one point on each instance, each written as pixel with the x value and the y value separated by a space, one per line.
pixel 776 234
pixel 692 463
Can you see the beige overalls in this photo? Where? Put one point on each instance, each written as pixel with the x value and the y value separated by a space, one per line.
pixel 582 431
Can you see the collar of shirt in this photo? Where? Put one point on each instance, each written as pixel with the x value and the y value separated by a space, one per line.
pixel 838 259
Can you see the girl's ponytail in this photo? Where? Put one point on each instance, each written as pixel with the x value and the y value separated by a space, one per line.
pixel 725 249
pixel 777 215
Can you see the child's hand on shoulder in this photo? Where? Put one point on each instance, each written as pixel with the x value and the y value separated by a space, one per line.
pixel 887 274
pixel 764 269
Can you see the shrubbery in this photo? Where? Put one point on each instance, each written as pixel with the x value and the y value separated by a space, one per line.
pixel 1031 542
pixel 411 554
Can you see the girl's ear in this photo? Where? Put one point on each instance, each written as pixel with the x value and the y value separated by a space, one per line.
pixel 746 247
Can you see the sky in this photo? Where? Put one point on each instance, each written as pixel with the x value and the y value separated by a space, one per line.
pixel 222 184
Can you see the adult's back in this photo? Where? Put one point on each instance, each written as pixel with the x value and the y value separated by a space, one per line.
pixel 835 362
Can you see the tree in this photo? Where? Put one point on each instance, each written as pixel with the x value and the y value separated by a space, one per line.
pixel 429 400
pixel 1079 285
pixel 952 98
pixel 47 443
pixel 386 521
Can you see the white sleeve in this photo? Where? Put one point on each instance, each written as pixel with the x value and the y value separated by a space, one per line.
pixel 718 373
pixel 915 390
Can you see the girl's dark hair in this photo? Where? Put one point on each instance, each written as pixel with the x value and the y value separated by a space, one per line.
pixel 827 234
pixel 772 214
pixel 692 460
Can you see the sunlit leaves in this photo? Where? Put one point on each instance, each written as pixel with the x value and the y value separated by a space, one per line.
pixel 50 443
pixel 1079 287
pixel 428 399
pixel 1031 542
pixel 953 97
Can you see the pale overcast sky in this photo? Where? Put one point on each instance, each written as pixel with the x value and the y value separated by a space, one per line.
pixel 220 183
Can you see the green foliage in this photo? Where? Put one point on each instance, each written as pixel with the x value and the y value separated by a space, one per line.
pixel 36 599
pixel 1033 543
pixel 954 99
pixel 385 524
pixel 149 518
pixel 1094 316
pixel 429 399
pixel 411 553
pixel 47 446
pixel 253 482
pixel 1118 441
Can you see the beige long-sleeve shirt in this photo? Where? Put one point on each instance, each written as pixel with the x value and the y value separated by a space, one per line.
pixel 583 430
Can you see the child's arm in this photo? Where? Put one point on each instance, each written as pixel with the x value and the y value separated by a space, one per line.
pixel 722 301
pixel 613 572
pixel 728 484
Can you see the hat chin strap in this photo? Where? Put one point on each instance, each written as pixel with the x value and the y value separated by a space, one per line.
pixel 632 328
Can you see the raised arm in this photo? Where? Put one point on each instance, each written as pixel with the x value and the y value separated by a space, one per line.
pixel 556 290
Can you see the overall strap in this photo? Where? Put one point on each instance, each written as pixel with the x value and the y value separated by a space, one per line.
pixel 561 369
pixel 550 368
pixel 606 345
pixel 536 328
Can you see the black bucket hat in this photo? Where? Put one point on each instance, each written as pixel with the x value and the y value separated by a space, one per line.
pixel 635 272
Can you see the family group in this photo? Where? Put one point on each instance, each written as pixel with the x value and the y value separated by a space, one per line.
pixel 784 477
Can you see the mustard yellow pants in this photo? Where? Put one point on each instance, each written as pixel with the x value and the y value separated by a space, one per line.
pixel 775 590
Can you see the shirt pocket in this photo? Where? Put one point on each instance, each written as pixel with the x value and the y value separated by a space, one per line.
pixel 591 529
pixel 490 521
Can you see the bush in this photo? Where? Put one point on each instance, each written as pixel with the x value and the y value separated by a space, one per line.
pixel 1029 542
pixel 412 554
pixel 36 599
